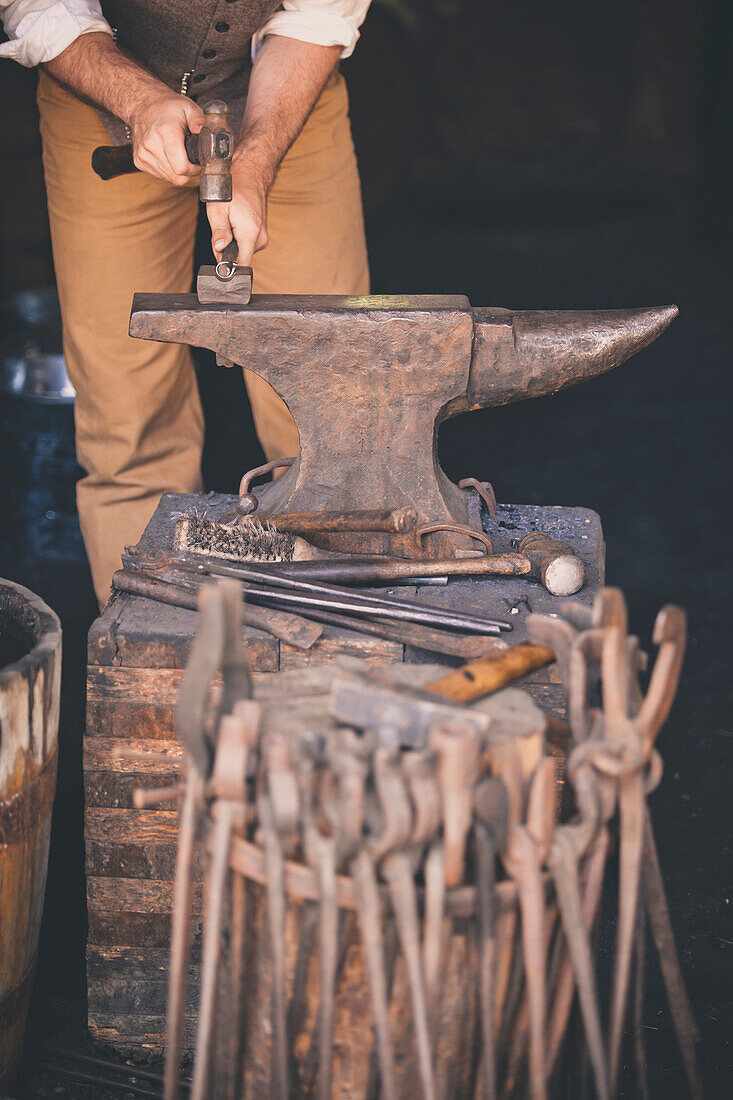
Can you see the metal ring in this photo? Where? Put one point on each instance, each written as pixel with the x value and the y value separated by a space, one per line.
pixel 484 489
pixel 459 529
pixel 225 270
pixel 249 502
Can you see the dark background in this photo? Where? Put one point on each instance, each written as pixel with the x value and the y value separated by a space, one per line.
pixel 531 154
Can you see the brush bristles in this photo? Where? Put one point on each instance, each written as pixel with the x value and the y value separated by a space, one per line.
pixel 245 540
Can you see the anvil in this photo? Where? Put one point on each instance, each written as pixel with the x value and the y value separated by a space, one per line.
pixel 369 380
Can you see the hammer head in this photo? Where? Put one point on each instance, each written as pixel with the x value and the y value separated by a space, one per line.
pixel 214 153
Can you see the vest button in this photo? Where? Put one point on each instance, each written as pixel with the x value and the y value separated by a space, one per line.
pixel 221 27
pixel 208 54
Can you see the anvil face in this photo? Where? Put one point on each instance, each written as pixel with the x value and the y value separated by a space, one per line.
pixel 369 379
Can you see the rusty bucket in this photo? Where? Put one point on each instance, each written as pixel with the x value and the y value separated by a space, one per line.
pixel 30 677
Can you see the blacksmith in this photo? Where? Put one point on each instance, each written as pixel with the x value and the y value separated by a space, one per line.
pixel 138 71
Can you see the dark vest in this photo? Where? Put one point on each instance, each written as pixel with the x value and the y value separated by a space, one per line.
pixel 198 47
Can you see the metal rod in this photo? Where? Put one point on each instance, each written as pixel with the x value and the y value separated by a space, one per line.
pixel 414 634
pixel 287 627
pixel 304 601
pixel 254 575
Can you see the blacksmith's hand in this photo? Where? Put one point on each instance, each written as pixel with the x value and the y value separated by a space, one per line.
pixel 158 128
pixel 245 217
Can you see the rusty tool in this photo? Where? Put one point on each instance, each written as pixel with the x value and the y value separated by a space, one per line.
pixel 228 783
pixel 393 847
pixel 366 699
pixel 617 743
pixel 276 919
pixel 367 430
pixel 217 649
pixel 371 794
pixel 227 282
pixel 490 832
pixel 308 562
pixel 181 931
pixel 285 625
pixel 320 853
pixel 369 914
pixel 466 646
pixel 271 586
pixel 211 149
pixel 457 747
pixel 419 768
pixel 525 853
pixel 569 843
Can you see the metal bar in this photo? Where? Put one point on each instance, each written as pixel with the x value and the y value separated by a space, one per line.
pixel 370 921
pixel 254 575
pixel 284 625
pixel 181 934
pixel 214 905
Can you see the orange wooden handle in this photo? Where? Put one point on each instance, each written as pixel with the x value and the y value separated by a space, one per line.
pixel 489 674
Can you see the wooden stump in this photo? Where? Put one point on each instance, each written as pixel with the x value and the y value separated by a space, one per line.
pixel 137 652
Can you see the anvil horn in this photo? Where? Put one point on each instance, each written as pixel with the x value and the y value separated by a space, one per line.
pixel 529 353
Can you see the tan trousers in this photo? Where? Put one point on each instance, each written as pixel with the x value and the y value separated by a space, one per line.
pixel 139 425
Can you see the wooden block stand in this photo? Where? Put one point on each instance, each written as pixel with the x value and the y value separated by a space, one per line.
pixel 137 652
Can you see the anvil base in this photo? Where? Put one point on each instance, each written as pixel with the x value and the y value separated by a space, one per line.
pixel 137 651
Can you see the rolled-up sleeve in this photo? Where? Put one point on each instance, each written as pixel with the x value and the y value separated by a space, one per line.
pixel 40 30
pixel 322 22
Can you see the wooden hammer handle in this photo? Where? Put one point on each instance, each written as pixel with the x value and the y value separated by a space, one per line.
pixel 489 674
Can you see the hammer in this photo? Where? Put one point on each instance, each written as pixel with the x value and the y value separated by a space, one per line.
pixel 211 149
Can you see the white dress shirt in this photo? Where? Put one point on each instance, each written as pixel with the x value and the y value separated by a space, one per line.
pixel 40 30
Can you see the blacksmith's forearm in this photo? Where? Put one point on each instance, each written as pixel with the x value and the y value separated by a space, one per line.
pixel 96 70
pixel 287 78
